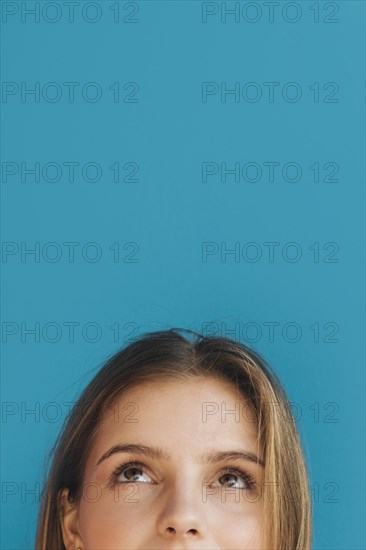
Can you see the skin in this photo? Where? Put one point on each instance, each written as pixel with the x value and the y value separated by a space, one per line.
pixel 177 503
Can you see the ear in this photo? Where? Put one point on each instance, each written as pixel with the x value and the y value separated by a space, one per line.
pixel 69 521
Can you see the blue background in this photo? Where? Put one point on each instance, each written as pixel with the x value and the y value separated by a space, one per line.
pixel 169 212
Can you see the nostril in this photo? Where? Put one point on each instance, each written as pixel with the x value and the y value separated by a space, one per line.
pixel 172 530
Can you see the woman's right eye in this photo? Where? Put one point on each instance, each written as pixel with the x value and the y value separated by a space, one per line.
pixel 132 471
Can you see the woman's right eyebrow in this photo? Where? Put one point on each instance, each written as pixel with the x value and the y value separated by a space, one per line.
pixel 162 454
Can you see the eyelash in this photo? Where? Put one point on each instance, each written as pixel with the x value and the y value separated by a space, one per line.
pixel 244 476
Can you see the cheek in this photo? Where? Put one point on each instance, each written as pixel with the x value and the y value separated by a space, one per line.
pixel 246 536
pixel 237 526
pixel 109 522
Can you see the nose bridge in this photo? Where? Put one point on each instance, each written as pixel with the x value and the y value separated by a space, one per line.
pixel 182 513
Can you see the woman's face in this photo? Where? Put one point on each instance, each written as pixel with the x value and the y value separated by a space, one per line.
pixel 181 494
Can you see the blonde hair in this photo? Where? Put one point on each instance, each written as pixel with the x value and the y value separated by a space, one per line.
pixel 164 355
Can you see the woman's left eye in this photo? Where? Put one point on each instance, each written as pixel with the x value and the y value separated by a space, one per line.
pixel 245 480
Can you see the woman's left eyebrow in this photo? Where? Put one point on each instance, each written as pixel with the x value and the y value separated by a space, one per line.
pixel 220 456
pixel 162 454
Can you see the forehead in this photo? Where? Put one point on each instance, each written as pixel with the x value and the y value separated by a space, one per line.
pixel 179 414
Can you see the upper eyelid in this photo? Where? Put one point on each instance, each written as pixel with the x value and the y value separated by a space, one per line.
pixel 233 462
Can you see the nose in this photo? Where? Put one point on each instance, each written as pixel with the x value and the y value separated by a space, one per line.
pixel 182 517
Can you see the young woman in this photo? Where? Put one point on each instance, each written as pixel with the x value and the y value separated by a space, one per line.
pixel 178 443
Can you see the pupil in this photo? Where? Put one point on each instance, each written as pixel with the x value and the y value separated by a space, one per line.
pixel 134 470
pixel 229 477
